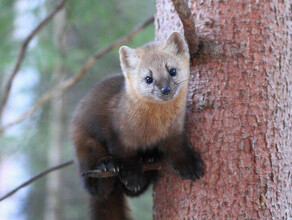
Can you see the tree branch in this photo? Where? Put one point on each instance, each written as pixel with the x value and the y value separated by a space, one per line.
pixel 34 178
pixel 102 174
pixel 73 80
pixel 187 20
pixel 90 173
pixel 21 54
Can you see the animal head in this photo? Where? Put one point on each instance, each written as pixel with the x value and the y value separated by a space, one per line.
pixel 157 71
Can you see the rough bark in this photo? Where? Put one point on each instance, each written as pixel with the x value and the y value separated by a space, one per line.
pixel 239 114
pixel 58 128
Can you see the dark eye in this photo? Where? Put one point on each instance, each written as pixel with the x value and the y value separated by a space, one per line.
pixel 172 71
pixel 148 79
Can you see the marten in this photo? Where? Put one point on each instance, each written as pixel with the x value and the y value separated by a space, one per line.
pixel 133 118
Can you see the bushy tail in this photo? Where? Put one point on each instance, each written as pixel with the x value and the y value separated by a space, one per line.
pixel 113 208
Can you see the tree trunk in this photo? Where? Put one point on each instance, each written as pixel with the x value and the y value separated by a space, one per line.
pixel 239 116
pixel 58 128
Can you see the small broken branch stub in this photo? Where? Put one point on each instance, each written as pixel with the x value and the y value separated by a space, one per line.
pixel 186 17
pixel 105 174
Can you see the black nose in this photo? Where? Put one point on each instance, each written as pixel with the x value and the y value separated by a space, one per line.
pixel 165 90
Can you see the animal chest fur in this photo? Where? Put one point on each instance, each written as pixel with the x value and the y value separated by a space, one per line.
pixel 146 124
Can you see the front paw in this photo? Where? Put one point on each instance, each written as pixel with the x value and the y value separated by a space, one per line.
pixel 150 156
pixel 109 164
pixel 191 167
pixel 148 159
pixel 132 179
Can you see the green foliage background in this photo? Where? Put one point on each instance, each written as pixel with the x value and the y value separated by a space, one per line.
pixel 90 25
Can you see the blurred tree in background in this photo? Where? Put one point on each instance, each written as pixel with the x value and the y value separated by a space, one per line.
pixel 56 53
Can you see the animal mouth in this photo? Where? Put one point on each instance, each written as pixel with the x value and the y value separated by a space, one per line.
pixel 167 97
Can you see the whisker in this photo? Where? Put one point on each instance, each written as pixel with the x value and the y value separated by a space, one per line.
pixel 181 82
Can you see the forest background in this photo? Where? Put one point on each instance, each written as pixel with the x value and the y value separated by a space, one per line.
pixel 57 52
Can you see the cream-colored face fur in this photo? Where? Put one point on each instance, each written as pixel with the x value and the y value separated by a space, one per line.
pixel 147 69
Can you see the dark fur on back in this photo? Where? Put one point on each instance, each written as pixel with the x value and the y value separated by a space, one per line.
pixel 95 110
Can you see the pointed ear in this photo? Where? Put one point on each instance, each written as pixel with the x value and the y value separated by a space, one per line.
pixel 128 59
pixel 175 44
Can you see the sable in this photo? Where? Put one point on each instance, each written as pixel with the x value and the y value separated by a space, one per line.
pixel 131 119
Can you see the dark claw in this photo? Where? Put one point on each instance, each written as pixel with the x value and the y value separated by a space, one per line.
pixel 132 177
pixel 109 165
pixel 150 156
pixel 102 167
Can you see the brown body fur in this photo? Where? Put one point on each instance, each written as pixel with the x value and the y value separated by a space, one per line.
pixel 120 116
